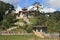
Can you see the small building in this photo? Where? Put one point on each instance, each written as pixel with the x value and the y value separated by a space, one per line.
pixel 40 28
pixel 22 13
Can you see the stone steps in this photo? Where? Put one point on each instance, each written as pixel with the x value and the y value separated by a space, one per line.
pixel 39 34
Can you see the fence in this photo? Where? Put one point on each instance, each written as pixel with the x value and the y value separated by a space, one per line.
pixel 51 35
pixel 14 33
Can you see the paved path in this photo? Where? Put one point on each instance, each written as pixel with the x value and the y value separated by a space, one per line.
pixel 39 34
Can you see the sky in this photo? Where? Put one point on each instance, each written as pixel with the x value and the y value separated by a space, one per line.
pixel 47 4
pixel 23 3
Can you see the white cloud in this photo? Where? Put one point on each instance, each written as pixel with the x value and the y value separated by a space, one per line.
pixel 18 9
pixel 11 1
pixel 47 10
pixel 29 8
pixel 52 3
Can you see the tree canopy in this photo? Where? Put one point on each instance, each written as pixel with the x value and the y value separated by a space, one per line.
pixel 7 17
pixel 5 7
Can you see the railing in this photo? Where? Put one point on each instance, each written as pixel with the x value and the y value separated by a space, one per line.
pixel 14 33
pixel 51 35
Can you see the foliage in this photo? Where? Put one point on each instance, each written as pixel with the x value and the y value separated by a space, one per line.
pixel 33 21
pixel 21 20
pixel 6 19
pixel 52 21
pixel 28 28
pixel 5 7
pixel 41 19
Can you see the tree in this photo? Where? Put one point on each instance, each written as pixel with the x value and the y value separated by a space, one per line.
pixel 57 15
pixel 53 23
pixel 58 27
pixel 5 7
pixel 41 19
pixel 6 19
pixel 27 27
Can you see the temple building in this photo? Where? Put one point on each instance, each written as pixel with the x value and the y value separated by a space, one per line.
pixel 22 13
pixel 30 11
pixel 40 28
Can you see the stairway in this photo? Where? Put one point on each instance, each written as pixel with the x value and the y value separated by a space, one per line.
pixel 39 34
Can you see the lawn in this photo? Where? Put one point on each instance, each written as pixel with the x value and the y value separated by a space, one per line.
pixel 22 37
pixel 16 37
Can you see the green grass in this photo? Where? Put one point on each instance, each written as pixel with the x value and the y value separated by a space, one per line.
pixel 21 20
pixel 19 30
pixel 16 37
pixel 22 37
pixel 33 20
pixel 0 30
